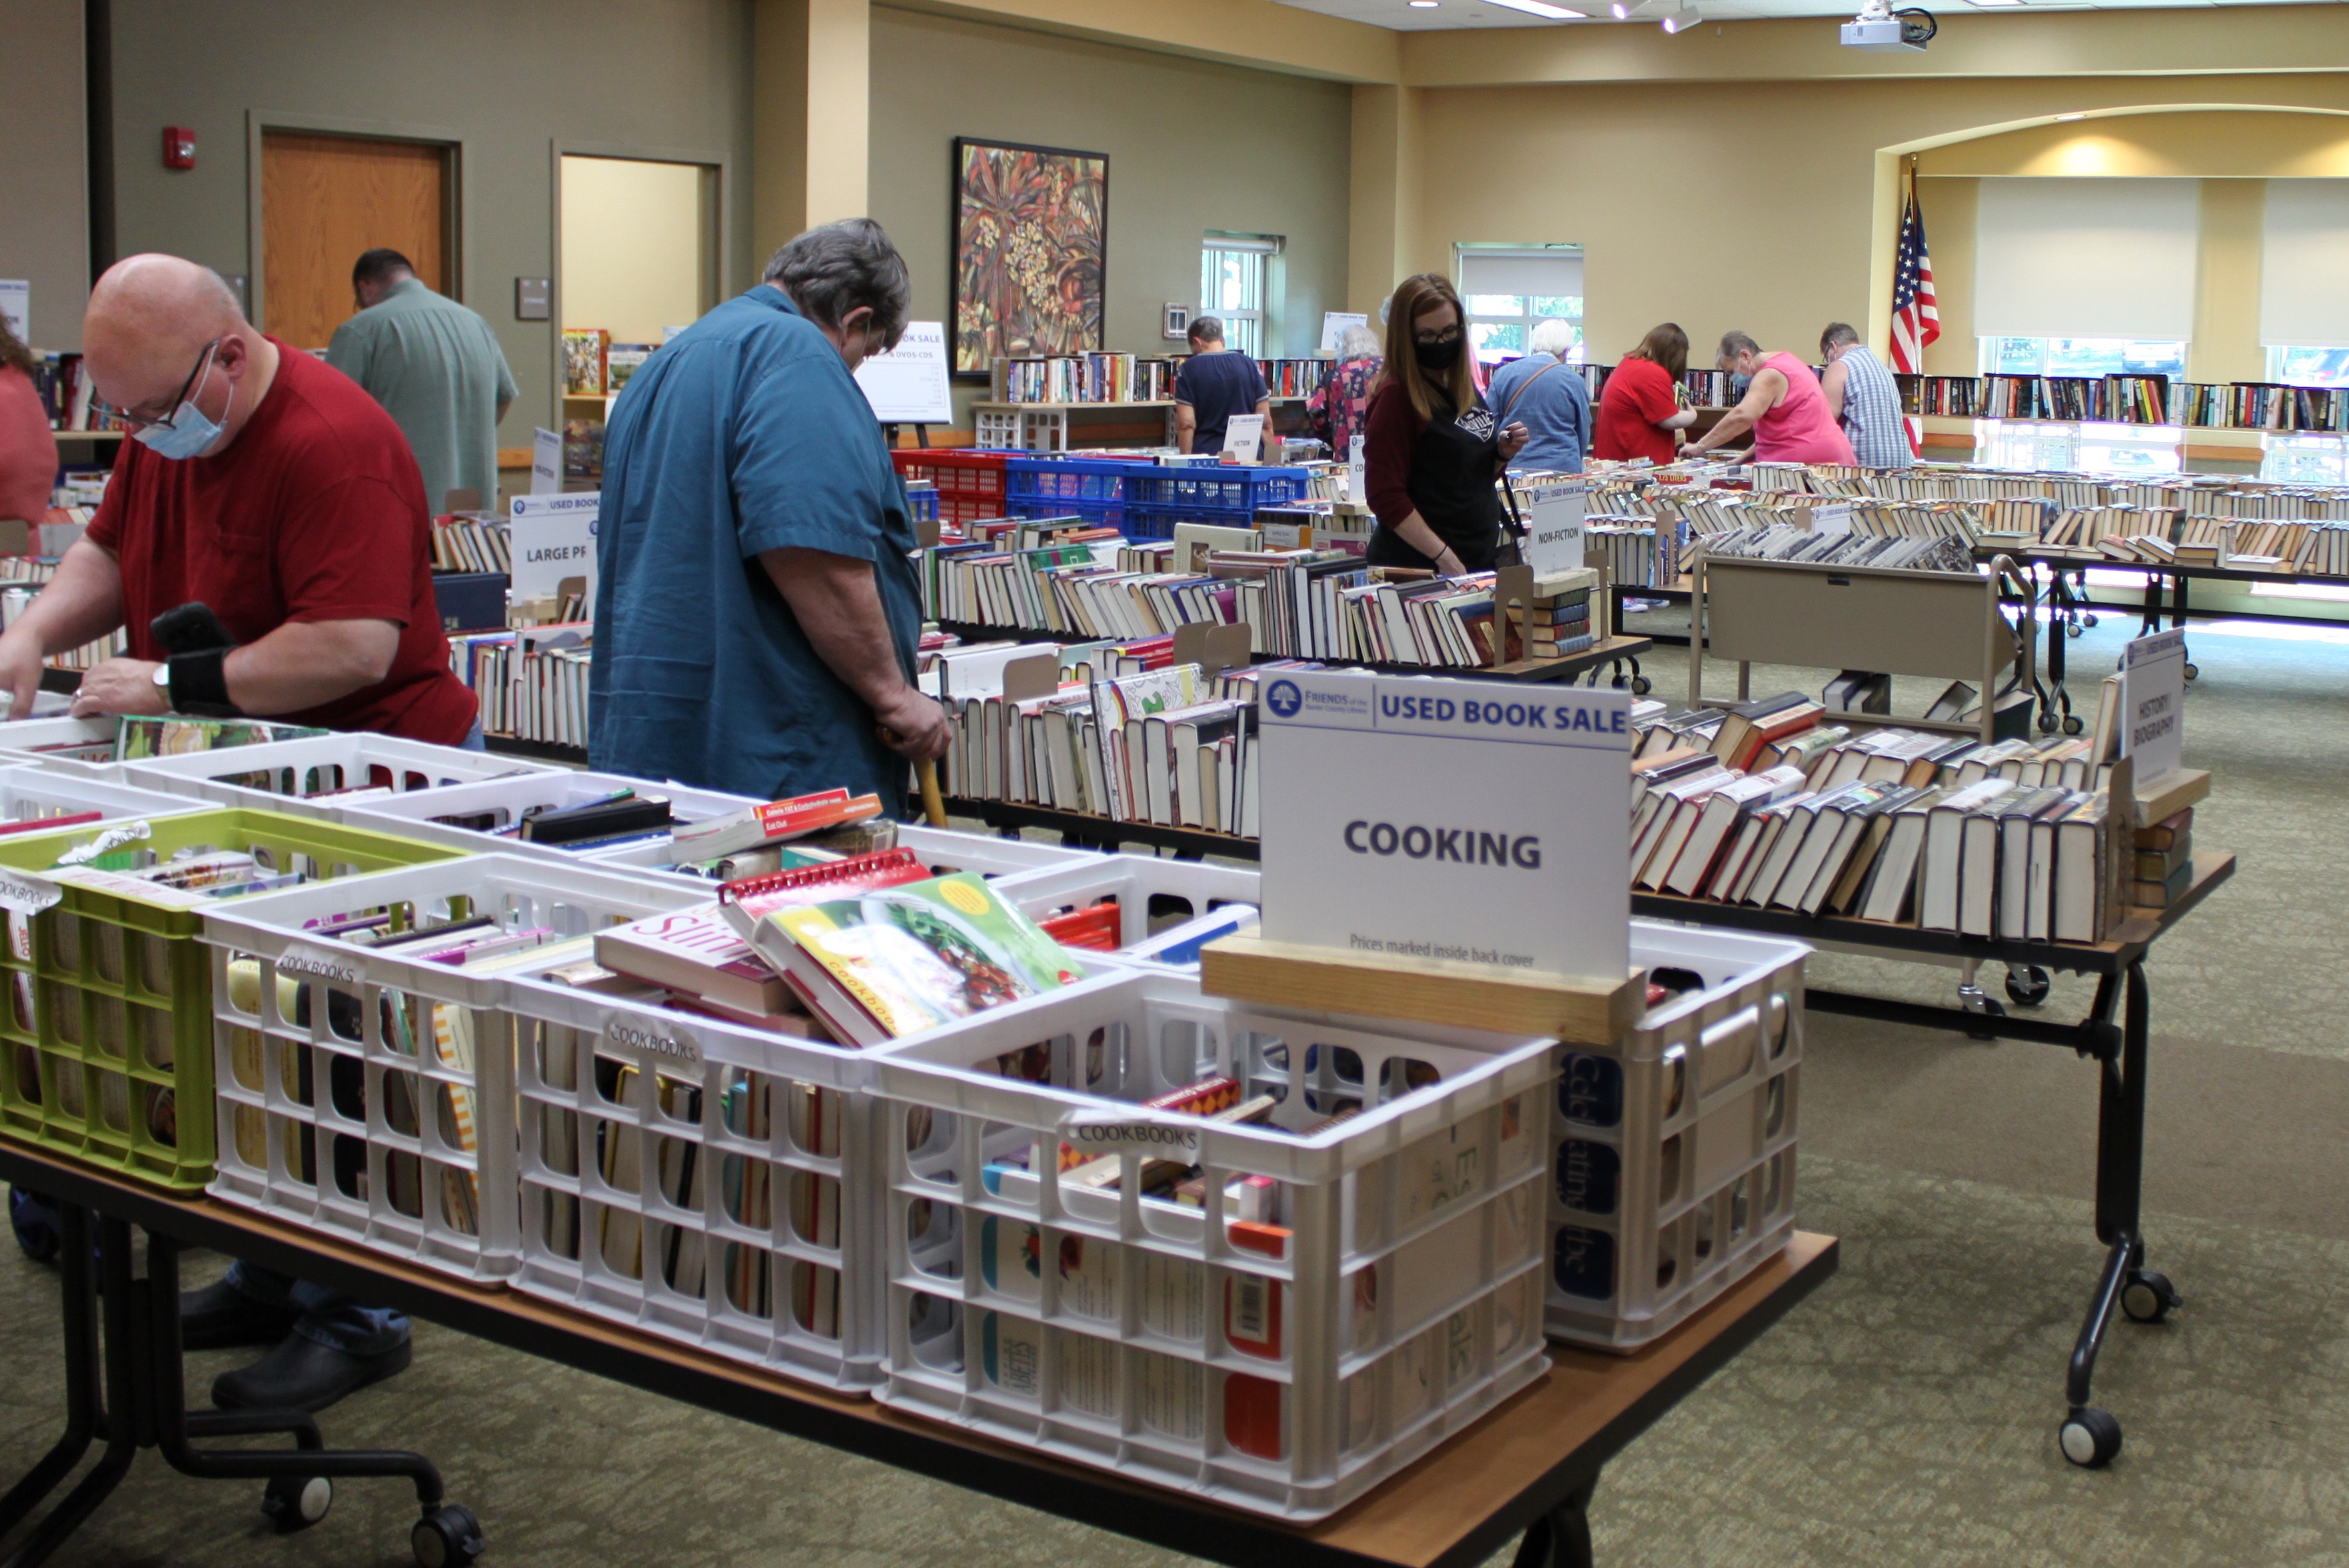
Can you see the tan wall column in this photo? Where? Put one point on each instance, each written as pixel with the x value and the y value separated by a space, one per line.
pixel 1950 207
pixel 2226 346
pixel 1383 198
pixel 812 97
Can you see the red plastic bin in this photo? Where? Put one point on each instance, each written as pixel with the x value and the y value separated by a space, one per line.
pixel 970 482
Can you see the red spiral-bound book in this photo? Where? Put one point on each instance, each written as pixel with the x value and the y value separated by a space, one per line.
pixel 745 900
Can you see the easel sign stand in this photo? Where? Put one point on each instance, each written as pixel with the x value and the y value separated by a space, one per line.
pixel 1483 891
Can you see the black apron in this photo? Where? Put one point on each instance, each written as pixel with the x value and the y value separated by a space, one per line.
pixel 1452 471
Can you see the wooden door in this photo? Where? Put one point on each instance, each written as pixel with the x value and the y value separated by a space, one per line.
pixel 324 199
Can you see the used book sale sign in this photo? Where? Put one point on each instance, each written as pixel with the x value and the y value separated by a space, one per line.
pixel 553 538
pixel 1458 820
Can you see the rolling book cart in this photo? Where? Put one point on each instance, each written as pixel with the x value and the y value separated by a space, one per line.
pixel 2089 1437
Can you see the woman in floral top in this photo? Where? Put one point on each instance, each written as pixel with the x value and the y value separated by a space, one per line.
pixel 1337 410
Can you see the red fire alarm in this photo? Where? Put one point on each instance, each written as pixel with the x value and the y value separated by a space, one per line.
pixel 179 146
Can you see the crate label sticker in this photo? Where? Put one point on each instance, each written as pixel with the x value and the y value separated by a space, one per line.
pixel 1011 1355
pixel 1089 1273
pixel 1460 1348
pixel 22 895
pixel 320 963
pixel 1085 1373
pixel 147 892
pixel 105 843
pixel 1252 1315
pixel 646 1037
pixel 1174 1396
pixel 1093 1133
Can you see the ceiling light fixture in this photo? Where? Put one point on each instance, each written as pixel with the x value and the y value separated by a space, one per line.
pixel 1423 4
pixel 1542 9
pixel 1619 11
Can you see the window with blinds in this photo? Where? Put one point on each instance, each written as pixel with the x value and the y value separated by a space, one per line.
pixel 2086 260
pixel 1509 290
pixel 2304 282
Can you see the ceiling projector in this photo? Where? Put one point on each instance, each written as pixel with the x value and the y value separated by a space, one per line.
pixel 1878 26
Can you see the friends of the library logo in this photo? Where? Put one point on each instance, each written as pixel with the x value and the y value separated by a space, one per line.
pixel 1283 698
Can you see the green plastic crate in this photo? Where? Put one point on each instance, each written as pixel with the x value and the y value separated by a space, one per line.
pixel 108 1023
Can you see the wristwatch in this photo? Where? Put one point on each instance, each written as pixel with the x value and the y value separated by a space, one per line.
pixel 163 683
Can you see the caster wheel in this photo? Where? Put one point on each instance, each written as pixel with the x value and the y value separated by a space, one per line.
pixel 1639 686
pixel 2149 1297
pixel 2074 724
pixel 2086 621
pixel 2089 1438
pixel 297 1503
pixel 2029 988
pixel 35 1220
pixel 2193 670
pixel 2047 724
pixel 2073 628
pixel 1619 682
pixel 449 1537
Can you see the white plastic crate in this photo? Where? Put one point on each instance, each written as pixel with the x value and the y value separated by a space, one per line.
pixel 1375 1284
pixel 996 430
pixel 468 815
pixel 42 741
pixel 943 849
pixel 624 1106
pixel 1152 895
pixel 403 1145
pixel 282 775
pixel 29 793
pixel 1672 1152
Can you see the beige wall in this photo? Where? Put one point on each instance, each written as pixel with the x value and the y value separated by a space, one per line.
pixel 632 254
pixel 1749 204
pixel 509 78
pixel 1191 146
pixel 44 194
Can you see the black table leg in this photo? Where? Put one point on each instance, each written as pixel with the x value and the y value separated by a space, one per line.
pixel 118 1416
pixel 85 1409
pixel 2090 1436
pixel 1561 1538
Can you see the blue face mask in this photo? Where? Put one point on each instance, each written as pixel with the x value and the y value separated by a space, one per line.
pixel 191 432
pixel 1738 385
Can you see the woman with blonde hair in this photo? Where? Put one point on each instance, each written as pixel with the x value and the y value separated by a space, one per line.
pixel 1431 450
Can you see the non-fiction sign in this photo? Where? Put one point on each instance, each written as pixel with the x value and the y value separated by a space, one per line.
pixel 545 462
pixel 2153 704
pixel 1334 323
pixel 907 386
pixel 1497 835
pixel 553 537
pixel 1554 519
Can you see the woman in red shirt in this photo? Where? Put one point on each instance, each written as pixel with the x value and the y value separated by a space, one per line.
pixel 28 452
pixel 1639 405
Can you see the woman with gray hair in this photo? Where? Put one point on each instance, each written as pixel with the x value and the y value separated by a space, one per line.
pixel 1339 406
pixel 1550 396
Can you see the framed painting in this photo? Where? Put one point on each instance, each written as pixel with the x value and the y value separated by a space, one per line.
pixel 1031 241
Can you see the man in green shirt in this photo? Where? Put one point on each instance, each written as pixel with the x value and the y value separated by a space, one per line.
pixel 436 369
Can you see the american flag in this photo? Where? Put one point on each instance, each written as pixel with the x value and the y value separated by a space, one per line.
pixel 1916 319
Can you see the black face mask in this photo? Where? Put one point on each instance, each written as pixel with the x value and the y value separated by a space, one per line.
pixel 1441 354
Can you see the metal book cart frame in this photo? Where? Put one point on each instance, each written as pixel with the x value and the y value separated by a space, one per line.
pixel 1946 625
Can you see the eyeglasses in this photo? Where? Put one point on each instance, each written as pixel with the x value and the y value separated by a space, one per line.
pixel 131 421
pixel 1449 334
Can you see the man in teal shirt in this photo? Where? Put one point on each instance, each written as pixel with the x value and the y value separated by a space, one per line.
pixel 436 369
pixel 756 609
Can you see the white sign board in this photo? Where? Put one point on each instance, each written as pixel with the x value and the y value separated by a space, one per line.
pixel 1497 834
pixel 2153 704
pixel 16 307
pixel 907 386
pixel 1333 328
pixel 553 537
pixel 1554 518
pixel 1358 486
pixel 1243 436
pixel 545 463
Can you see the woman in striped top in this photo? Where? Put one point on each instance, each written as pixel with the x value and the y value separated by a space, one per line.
pixel 1865 397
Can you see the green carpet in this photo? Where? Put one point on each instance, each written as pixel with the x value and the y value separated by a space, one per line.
pixel 1905 1416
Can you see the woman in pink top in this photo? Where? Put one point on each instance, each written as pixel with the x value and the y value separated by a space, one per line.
pixel 28 452
pixel 1782 406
